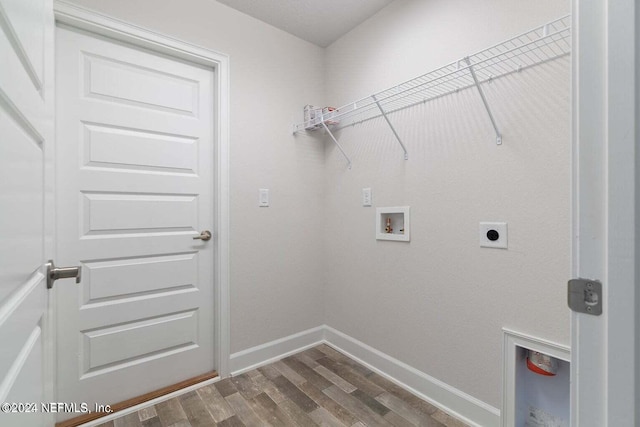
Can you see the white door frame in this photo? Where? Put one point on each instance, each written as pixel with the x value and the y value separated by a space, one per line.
pixel 605 349
pixel 79 17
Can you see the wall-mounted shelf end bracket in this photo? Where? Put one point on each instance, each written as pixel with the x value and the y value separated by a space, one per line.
pixel 335 141
pixel 484 101
pixel 384 114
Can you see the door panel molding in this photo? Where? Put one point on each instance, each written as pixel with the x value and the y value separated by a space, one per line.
pixel 26 39
pixel 26 184
pixel 71 15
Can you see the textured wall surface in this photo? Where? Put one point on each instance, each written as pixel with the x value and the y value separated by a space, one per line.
pixel 439 302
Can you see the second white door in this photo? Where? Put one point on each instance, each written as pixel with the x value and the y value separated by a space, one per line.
pixel 134 186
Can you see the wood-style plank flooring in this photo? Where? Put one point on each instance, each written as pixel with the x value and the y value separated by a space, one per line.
pixel 318 387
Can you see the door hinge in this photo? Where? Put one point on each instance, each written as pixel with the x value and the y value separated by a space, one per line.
pixel 585 296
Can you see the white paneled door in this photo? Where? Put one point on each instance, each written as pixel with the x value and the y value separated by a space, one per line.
pixel 26 142
pixel 134 187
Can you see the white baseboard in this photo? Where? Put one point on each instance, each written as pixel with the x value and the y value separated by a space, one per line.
pixel 263 354
pixel 451 400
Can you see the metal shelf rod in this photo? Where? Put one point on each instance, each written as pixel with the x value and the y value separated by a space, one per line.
pixel 337 143
pixel 406 154
pixel 486 104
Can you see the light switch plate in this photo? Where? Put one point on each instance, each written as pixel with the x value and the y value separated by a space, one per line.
pixel 264 198
pixel 366 197
pixel 493 235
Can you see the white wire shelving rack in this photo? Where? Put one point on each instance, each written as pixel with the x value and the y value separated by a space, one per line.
pixel 537 46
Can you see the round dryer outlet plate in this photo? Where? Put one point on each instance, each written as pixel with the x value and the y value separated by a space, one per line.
pixel 493 235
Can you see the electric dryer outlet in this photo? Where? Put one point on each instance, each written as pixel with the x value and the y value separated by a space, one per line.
pixel 493 235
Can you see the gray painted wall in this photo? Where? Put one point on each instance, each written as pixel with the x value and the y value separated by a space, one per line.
pixel 439 302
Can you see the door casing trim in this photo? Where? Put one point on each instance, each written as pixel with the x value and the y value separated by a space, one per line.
pixel 79 17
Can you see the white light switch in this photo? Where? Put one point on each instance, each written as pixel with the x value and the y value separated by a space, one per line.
pixel 264 198
pixel 366 197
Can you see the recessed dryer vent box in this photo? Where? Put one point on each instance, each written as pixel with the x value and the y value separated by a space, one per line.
pixel 393 224
pixel 529 398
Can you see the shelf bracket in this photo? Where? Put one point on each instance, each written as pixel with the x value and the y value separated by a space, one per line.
pixel 384 114
pixel 326 128
pixel 484 101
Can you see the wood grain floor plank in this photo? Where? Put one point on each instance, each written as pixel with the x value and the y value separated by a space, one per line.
pixel 245 385
pixel 399 392
pixel 275 394
pixel 218 408
pixel 351 376
pixel 265 383
pixel 335 379
pixel 226 387
pixel 266 416
pixel 447 419
pixel 288 373
pixel 329 351
pixel 319 386
pixel 346 360
pixel 170 412
pixel 307 373
pixel 129 420
pixel 356 407
pixel 196 410
pixel 269 371
pixel 231 422
pixel 373 404
pixel 323 418
pixel 244 411
pixel 260 381
pixel 252 373
pixel 406 411
pixel 294 394
pixel 299 416
pixel 151 422
pixel 329 404
pixel 304 358
pixel 272 407
pixel 313 353
pixel 146 413
pixel 397 421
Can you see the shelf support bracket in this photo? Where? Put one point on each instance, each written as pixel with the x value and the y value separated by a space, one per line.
pixel 326 128
pixel 384 114
pixel 484 101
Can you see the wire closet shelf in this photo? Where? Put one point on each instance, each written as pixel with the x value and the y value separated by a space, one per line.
pixel 540 45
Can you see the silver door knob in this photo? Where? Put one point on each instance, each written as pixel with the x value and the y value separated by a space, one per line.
pixel 205 235
pixel 54 273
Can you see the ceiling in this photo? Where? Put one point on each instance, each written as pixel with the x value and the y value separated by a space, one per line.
pixel 318 21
